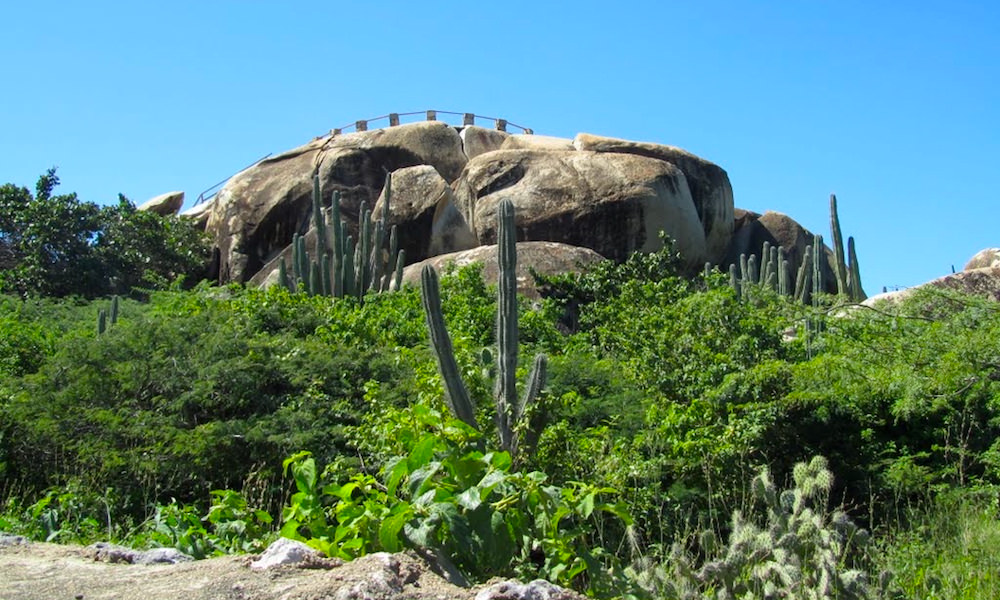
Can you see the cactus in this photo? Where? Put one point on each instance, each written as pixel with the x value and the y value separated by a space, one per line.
pixel 517 436
pixel 734 281
pixel 818 281
pixel 839 266
pixel 102 321
pixel 765 256
pixel 113 314
pixel 784 279
pixel 455 391
pixel 342 268
pixel 803 281
pixel 857 294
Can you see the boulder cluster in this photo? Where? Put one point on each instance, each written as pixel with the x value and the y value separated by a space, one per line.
pixel 577 200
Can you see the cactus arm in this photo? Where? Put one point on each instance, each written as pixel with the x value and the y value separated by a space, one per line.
pixel 400 263
pixel 839 269
pixel 526 436
pixel 818 286
pixel 455 391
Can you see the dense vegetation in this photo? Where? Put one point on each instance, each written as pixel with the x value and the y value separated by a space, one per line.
pixel 57 245
pixel 676 412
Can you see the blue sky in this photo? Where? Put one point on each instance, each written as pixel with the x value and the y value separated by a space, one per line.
pixel 892 105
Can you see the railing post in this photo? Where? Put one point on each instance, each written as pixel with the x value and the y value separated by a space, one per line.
pixel 432 115
pixel 393 119
pixel 468 119
pixel 528 131
pixel 361 125
pixel 336 132
pixel 501 124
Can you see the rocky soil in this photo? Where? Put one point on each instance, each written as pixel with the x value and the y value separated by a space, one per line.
pixel 38 571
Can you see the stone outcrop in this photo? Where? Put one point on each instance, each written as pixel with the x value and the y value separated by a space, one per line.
pixel 611 196
pixel 479 140
pixel 751 230
pixel 983 282
pixel 709 184
pixel 165 205
pixel 614 204
pixel 258 211
pixel 423 210
pixel 199 213
pixel 545 258
pixel 523 141
pixel 989 257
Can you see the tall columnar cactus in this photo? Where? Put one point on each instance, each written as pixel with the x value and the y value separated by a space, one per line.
pixel 455 392
pixel 517 436
pixel 857 294
pixel 102 321
pixel 113 313
pixel 839 266
pixel 818 281
pixel 342 268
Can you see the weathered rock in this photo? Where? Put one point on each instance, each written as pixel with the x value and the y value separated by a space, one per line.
pixel 535 590
pixel 614 204
pixel 709 184
pixel 479 140
pixel 526 141
pixel 114 553
pixel 164 205
pixel 990 257
pixel 546 258
pixel 284 551
pixel 423 210
pixel 983 282
pixel 257 212
pixel 751 230
pixel 199 213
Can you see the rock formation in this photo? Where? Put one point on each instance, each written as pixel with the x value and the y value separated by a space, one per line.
pixel 610 196
pixel 165 205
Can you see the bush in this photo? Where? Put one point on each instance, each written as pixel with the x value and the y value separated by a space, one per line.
pixel 57 245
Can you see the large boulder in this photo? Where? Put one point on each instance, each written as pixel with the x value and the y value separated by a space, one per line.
pixel 709 184
pixel 545 258
pixel 423 210
pixel 259 210
pixel 530 141
pixel 165 205
pixel 983 282
pixel 990 257
pixel 256 213
pixel 199 213
pixel 751 230
pixel 479 140
pixel 614 204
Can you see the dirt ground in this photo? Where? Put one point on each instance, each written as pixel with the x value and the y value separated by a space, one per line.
pixel 38 571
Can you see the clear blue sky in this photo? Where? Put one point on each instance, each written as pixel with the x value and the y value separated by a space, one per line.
pixel 892 105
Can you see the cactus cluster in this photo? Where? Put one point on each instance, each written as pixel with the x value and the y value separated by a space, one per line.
pixel 517 435
pixel 800 551
pixel 772 270
pixel 108 317
pixel 344 267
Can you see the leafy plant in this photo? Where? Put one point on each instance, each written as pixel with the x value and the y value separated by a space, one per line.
pixel 57 245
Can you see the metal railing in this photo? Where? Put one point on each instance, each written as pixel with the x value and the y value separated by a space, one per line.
pixel 212 191
pixel 393 119
pixel 431 115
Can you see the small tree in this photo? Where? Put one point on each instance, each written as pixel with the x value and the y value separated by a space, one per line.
pixel 56 245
